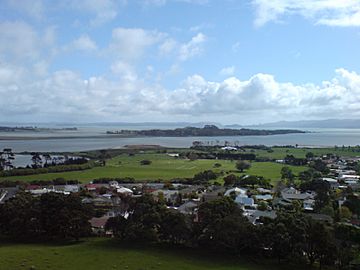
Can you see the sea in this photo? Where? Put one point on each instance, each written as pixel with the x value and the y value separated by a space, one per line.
pixel 94 137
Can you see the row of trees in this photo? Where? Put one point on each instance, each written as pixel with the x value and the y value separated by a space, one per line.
pixel 221 227
pixel 6 159
pixel 51 216
pixel 50 169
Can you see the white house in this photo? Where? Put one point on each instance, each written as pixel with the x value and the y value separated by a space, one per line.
pixel 236 190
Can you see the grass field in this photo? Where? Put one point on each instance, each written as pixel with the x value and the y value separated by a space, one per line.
pixel 104 254
pixel 162 167
pixel 280 153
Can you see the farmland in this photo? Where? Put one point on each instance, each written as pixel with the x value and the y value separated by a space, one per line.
pixel 162 167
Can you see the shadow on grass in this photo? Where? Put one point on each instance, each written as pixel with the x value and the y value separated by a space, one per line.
pixel 197 255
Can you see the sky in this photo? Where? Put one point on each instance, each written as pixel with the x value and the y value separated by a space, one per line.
pixel 226 61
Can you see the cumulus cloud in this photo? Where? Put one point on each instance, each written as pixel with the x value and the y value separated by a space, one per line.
pixel 83 43
pixel 22 46
pixel 130 43
pixel 34 8
pixel 327 12
pixel 163 2
pixel 227 71
pixel 192 48
pixel 65 94
pixel 103 10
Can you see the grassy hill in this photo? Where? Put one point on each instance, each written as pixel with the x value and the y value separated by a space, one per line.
pixel 104 254
pixel 162 167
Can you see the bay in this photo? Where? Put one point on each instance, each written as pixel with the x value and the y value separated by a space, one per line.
pixel 315 138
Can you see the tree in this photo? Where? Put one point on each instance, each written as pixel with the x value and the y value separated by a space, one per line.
pixel 47 158
pixel 309 175
pixel 145 162
pixel 103 156
pixel 53 215
pixel 242 165
pixel 6 159
pixel 173 227
pixel 36 160
pixel 230 180
pixel 320 244
pixel 192 156
pixel 286 174
pixel 320 166
pixel 64 217
pixel 309 155
pixel 205 176
pixel 345 212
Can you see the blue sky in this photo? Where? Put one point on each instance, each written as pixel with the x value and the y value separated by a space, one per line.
pixel 229 61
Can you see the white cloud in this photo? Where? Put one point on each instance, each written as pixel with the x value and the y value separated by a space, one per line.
pixel 124 70
pixel 65 95
pixel 18 41
pixel 164 2
pixel 327 12
pixel 168 46
pixel 103 10
pixel 227 71
pixel 130 43
pixel 34 8
pixel 83 43
pixel 193 47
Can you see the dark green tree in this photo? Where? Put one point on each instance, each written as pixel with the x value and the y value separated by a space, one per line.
pixel 242 165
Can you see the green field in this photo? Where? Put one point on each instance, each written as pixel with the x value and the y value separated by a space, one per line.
pixel 280 153
pixel 162 167
pixel 104 254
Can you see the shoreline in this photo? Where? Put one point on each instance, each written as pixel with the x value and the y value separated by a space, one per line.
pixel 34 138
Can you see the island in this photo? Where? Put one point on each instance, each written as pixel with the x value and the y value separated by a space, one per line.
pixel 206 131
pixel 34 129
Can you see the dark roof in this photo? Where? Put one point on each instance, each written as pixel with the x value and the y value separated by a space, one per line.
pixel 98 222
pixel 320 217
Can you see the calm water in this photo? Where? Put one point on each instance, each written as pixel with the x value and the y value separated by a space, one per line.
pixel 319 137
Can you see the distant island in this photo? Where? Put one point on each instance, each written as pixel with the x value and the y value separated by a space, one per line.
pixel 206 131
pixel 34 129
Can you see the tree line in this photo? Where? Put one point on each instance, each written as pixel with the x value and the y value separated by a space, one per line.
pixel 52 216
pixel 220 227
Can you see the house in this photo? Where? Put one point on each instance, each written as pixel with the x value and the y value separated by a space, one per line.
pixel 245 201
pixel 124 191
pixel 3 194
pixel 237 191
pixel 211 196
pixel 266 197
pixel 98 225
pixel 332 182
pixel 91 187
pixel 113 184
pixel 254 216
pixel 189 207
pixel 229 148
pixel 309 204
pixel 294 194
pixel 320 217
pixel 264 190
pixel 168 195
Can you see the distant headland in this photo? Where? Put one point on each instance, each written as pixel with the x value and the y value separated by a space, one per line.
pixel 206 131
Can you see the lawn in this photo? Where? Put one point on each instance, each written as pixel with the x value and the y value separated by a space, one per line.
pixel 280 153
pixel 162 167
pixel 104 254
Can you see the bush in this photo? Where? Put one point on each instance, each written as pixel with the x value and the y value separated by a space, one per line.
pixel 145 162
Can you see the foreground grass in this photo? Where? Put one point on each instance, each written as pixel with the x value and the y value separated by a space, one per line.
pixel 163 167
pixel 104 254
